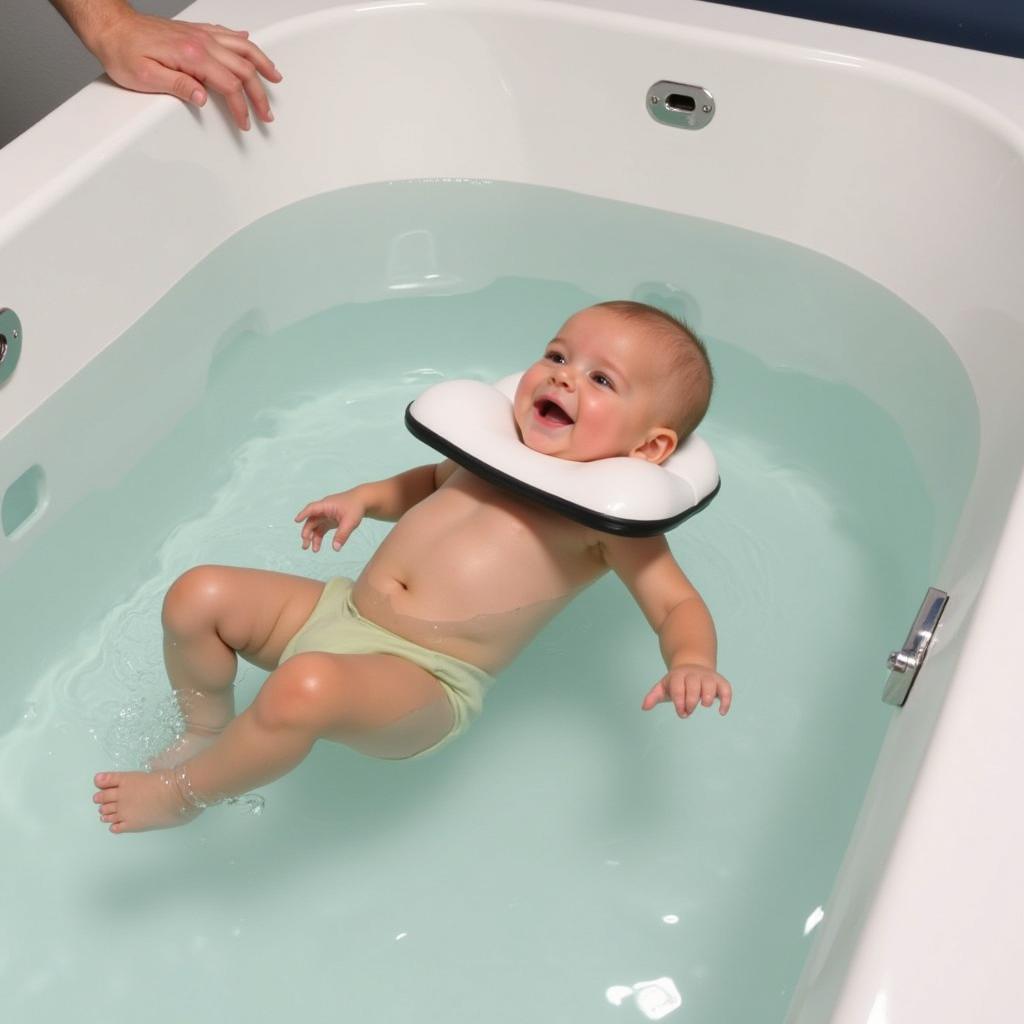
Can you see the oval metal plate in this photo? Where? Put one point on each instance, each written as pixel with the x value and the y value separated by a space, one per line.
pixel 10 342
pixel 679 105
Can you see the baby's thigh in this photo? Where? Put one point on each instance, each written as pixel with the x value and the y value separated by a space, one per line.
pixel 253 611
pixel 378 704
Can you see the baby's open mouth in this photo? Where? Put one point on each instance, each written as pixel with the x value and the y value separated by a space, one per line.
pixel 552 413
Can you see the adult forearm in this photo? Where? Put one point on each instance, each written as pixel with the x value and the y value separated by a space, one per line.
pixel 91 18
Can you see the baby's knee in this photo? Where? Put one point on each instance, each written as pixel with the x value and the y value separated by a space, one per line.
pixel 302 693
pixel 192 601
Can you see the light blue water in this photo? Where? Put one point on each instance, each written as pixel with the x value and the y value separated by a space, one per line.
pixel 570 848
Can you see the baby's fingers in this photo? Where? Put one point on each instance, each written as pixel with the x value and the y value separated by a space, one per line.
pixel 313 526
pixel 321 510
pixel 724 697
pixel 655 695
pixel 685 695
pixel 314 529
pixel 708 691
pixel 686 691
pixel 343 532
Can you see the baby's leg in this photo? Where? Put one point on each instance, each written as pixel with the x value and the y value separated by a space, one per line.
pixel 377 703
pixel 211 614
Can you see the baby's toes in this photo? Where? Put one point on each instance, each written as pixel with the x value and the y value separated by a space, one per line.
pixel 106 795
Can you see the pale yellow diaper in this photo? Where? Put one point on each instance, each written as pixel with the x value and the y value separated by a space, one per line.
pixel 336 627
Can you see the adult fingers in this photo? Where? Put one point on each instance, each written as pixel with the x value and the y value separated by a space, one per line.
pixel 210 27
pixel 152 76
pixel 251 52
pixel 248 62
pixel 214 75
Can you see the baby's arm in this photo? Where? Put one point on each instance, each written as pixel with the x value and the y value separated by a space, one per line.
pixel 678 615
pixel 387 500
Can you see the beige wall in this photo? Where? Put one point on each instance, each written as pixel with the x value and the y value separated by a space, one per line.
pixel 42 62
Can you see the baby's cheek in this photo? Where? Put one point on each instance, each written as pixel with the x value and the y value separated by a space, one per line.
pixel 522 399
pixel 519 423
pixel 606 441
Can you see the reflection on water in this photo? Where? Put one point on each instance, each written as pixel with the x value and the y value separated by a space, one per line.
pixel 654 999
pixel 490 640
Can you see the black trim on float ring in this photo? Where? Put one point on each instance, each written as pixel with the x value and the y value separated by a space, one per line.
pixel 569 509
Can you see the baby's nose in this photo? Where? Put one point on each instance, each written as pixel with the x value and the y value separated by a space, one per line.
pixel 560 377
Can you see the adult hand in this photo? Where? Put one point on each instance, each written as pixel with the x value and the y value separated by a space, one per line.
pixel 180 58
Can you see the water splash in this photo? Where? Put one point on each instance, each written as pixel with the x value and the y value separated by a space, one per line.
pixel 140 729
pixel 248 803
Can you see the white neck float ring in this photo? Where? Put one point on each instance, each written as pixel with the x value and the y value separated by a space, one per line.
pixel 472 423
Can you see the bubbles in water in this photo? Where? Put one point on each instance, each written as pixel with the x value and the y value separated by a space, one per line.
pixel 247 803
pixel 143 728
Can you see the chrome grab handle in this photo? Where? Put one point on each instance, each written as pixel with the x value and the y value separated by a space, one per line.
pixel 906 663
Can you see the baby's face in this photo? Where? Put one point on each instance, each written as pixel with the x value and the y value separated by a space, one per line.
pixel 593 394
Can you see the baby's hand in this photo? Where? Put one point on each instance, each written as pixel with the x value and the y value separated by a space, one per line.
pixel 688 685
pixel 339 512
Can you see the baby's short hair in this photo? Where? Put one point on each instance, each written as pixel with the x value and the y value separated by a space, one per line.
pixel 690 380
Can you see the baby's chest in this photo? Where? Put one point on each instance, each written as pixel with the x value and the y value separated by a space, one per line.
pixel 481 523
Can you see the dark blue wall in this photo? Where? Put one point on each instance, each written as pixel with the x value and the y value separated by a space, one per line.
pixel 993 25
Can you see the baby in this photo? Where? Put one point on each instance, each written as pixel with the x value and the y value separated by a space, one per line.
pixel 396 663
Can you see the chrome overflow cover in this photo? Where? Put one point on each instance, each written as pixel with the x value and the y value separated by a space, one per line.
pixel 10 342
pixel 906 663
pixel 681 106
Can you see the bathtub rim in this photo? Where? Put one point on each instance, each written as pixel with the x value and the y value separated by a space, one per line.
pixel 48 157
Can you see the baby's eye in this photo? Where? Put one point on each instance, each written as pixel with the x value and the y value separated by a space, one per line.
pixel 601 380
pixel 555 356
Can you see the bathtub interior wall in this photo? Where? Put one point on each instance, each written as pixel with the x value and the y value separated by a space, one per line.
pixel 875 192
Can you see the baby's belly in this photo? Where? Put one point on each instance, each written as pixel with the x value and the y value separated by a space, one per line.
pixel 490 640
pixel 479 593
pixel 474 573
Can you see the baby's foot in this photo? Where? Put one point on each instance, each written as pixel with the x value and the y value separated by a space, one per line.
pixel 139 801
pixel 191 742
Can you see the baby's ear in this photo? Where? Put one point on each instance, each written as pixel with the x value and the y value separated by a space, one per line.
pixel 661 442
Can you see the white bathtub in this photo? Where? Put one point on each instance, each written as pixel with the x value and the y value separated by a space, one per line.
pixel 903 160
